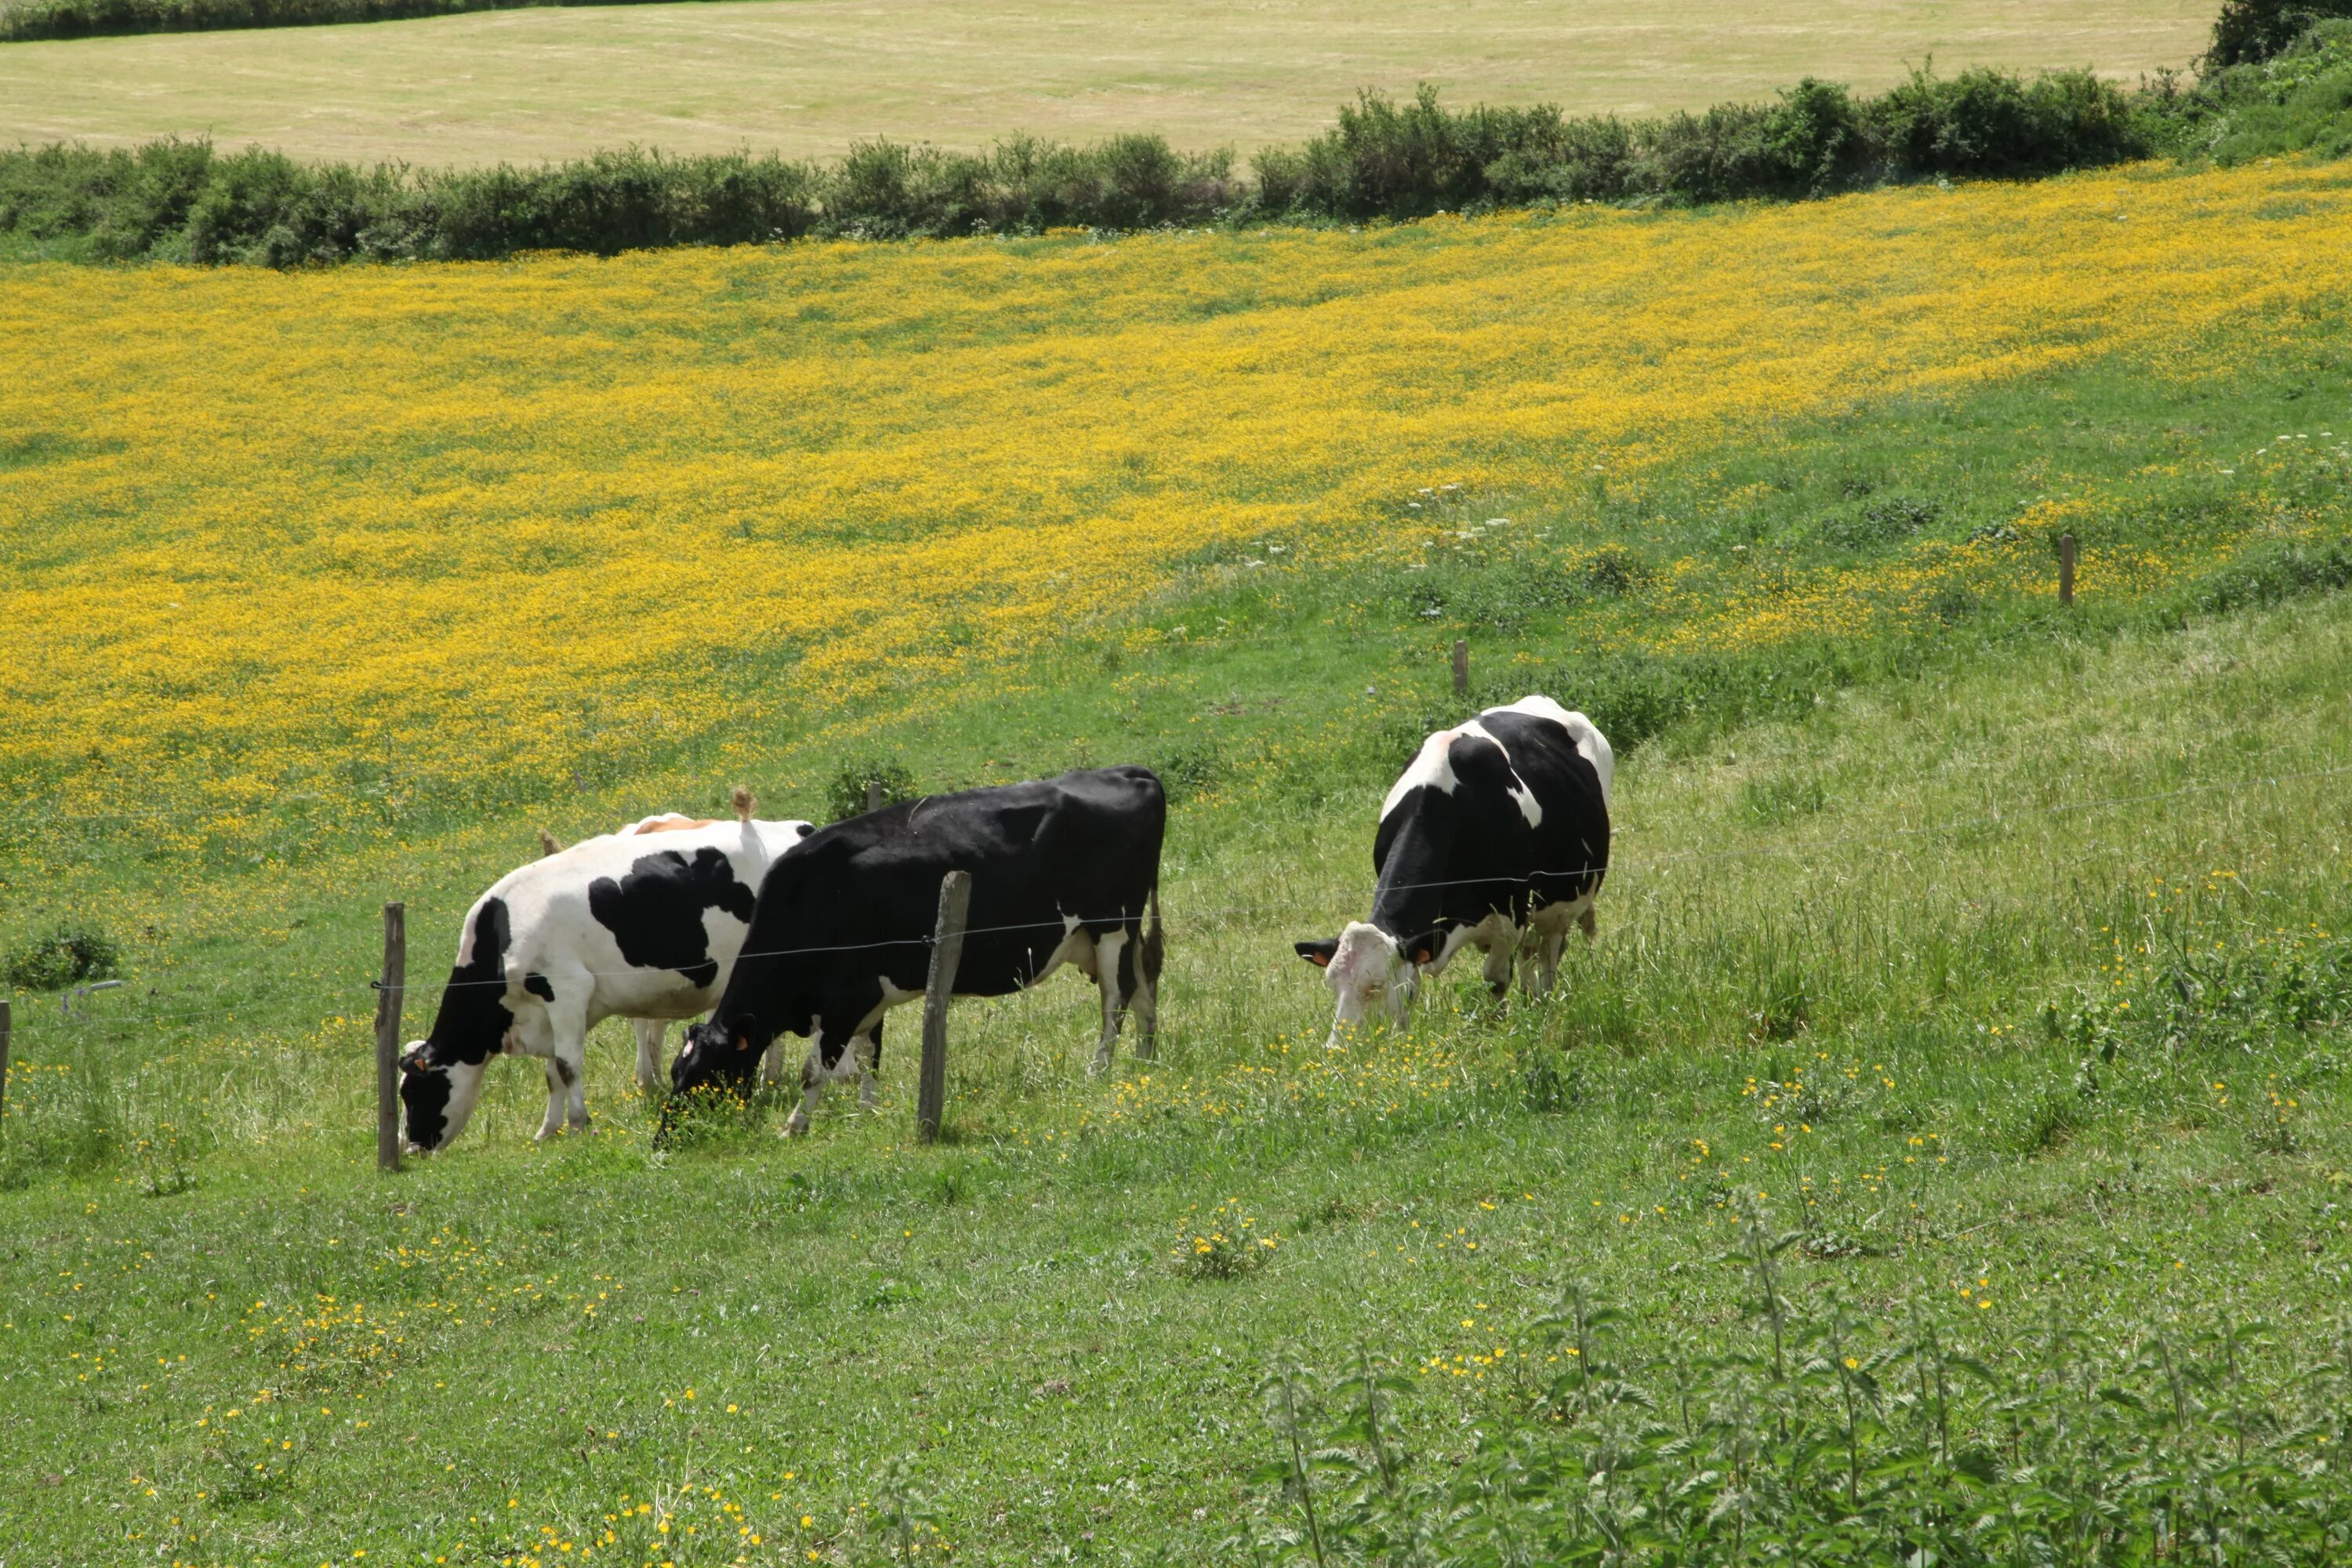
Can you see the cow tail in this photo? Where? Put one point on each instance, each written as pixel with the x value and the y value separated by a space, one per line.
pixel 741 799
pixel 1154 947
pixel 547 844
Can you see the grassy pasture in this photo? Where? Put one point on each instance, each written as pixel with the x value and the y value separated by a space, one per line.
pixel 811 77
pixel 1917 818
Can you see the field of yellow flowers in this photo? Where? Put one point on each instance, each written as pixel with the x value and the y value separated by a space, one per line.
pixel 491 521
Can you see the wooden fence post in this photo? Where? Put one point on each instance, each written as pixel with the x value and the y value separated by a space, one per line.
pixel 2065 568
pixel 7 1022
pixel 946 951
pixel 387 1037
pixel 873 795
pixel 1460 668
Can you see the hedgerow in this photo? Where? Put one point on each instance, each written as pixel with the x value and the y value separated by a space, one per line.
pixel 31 19
pixel 181 201
pixel 2279 81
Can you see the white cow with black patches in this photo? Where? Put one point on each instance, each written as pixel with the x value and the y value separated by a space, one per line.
pixel 1495 837
pixel 645 925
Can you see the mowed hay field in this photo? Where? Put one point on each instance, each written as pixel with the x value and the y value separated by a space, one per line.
pixel 1996 952
pixel 811 77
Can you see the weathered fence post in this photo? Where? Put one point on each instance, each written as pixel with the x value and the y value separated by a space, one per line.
pixel 7 1022
pixel 1460 668
pixel 946 951
pixel 873 795
pixel 2065 568
pixel 387 1037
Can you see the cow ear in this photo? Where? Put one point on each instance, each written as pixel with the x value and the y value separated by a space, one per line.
pixel 1422 948
pixel 1318 953
pixel 743 1035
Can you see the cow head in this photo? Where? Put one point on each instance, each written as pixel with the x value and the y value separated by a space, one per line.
pixel 1367 971
pixel 438 1096
pixel 715 1054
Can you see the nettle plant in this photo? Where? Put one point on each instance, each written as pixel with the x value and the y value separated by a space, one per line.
pixel 1223 1244
pixel 1815 1435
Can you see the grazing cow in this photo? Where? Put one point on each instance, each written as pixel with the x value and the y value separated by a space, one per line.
pixel 645 923
pixel 1497 837
pixel 1062 872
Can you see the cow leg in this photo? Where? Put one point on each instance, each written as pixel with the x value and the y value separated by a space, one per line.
pixel 836 1033
pixel 868 1047
pixel 1543 955
pixel 1502 948
pixel 865 1050
pixel 1142 961
pixel 540 1030
pixel 811 1088
pixel 569 1020
pixel 1110 958
pixel 650 1077
pixel 559 1096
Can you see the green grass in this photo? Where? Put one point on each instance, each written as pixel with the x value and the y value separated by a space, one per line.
pixel 1002 1308
pixel 1878 901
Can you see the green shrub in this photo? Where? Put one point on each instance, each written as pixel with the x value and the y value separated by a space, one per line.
pixel 844 796
pixel 66 956
pixel 1189 773
pixel 30 19
pixel 2298 97
pixel 2248 31
pixel 1402 161
pixel 1881 520
pixel 2274 575
pixel 1634 695
pixel 182 201
pixel 1991 122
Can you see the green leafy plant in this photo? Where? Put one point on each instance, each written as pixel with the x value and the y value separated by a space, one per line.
pixel 69 956
pixel 845 793
pixel 1224 1243
pixel 1816 1435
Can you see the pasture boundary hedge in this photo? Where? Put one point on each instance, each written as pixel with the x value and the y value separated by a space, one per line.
pixel 1382 162
pixel 183 201
pixel 43 19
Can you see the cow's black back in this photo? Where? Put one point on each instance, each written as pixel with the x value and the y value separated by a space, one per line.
pixel 859 899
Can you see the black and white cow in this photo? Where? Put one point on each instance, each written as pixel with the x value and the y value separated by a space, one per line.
pixel 644 923
pixel 1063 871
pixel 1496 836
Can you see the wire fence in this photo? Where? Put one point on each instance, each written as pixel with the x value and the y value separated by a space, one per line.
pixel 117 1025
